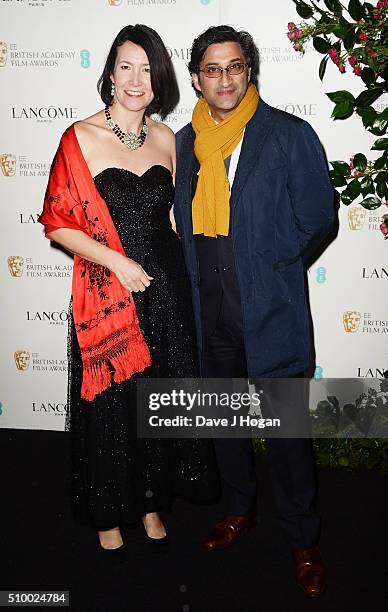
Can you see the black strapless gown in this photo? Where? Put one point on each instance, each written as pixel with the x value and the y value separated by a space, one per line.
pixel 116 477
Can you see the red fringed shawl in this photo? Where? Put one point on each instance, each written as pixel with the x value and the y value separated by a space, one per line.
pixel 105 318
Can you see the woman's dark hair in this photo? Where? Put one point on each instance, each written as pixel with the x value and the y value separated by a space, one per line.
pixel 163 80
pixel 222 34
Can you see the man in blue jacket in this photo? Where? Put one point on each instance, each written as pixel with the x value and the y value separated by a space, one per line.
pixel 253 203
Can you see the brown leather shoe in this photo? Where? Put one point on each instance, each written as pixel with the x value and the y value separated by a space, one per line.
pixel 309 571
pixel 226 532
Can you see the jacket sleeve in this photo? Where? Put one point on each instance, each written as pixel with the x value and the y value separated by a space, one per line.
pixel 177 203
pixel 310 190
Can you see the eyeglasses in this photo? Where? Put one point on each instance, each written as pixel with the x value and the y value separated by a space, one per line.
pixel 214 72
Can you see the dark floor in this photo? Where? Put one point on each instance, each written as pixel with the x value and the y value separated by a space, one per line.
pixel 41 548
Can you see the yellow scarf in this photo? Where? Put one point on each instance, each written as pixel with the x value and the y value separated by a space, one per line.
pixel 214 143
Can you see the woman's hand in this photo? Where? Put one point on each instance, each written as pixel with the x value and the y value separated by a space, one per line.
pixel 130 274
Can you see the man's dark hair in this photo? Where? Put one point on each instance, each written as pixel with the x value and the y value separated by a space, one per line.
pixel 222 34
pixel 163 80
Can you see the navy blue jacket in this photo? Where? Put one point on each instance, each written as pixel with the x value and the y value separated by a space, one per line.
pixel 281 209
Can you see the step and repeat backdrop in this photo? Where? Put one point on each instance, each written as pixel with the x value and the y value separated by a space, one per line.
pixel 51 55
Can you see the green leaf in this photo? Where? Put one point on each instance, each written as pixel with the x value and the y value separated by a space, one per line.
pixel 381 189
pixel 354 189
pixel 360 162
pixel 322 67
pixel 381 178
pixel 343 110
pixel 381 162
pixel 371 203
pixel 304 10
pixel 367 186
pixel 334 6
pixel 321 45
pixel 380 144
pixel 343 461
pixel 329 4
pixel 367 9
pixel 341 31
pixel 379 126
pixel 372 65
pixel 368 76
pixel 325 17
pixel 368 114
pixel 340 167
pixel 344 21
pixel 355 10
pixel 362 56
pixel 350 39
pixel 337 46
pixel 346 198
pixel 341 96
pixel 338 180
pixel 385 73
pixel 368 97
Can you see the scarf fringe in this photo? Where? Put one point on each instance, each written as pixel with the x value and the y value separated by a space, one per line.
pixel 124 362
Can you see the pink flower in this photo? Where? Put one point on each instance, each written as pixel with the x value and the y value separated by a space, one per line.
pixel 379 4
pixel 291 35
pixel 298 32
pixel 384 229
pixel 363 36
pixel 370 52
pixel 351 165
pixel 357 70
pixel 291 26
pixel 352 60
pixel 356 173
pixel 333 53
pixel 297 47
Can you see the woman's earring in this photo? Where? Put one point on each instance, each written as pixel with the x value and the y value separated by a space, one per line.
pixel 112 90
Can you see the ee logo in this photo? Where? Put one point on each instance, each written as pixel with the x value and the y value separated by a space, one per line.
pixel 318 373
pixel 85 58
pixel 205 2
pixel 321 275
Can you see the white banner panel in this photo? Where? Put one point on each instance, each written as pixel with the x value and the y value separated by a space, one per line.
pixel 51 55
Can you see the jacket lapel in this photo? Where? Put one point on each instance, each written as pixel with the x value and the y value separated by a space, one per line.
pixel 187 164
pixel 256 133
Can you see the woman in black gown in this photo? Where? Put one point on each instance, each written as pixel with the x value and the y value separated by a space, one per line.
pixel 117 478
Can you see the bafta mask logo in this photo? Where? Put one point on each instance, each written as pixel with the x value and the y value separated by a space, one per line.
pixel 3 53
pixel 351 320
pixel 15 265
pixel 115 2
pixel 22 360
pixel 8 164
pixel 356 217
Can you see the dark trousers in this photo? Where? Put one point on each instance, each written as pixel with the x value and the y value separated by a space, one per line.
pixel 290 460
